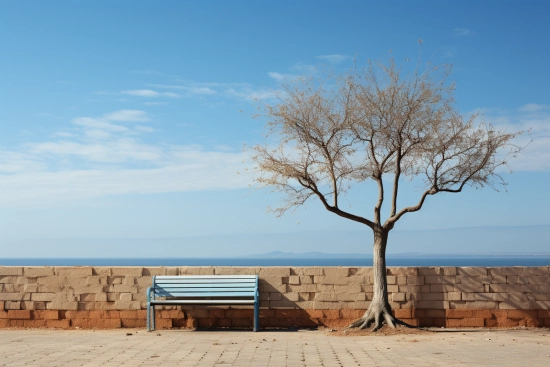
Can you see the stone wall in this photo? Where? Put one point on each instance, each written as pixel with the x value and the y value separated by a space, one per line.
pixel 111 297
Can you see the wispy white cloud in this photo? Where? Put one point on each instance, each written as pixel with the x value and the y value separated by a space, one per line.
pixel 251 94
pixel 533 107
pixel 461 32
pixel 282 77
pixel 98 124
pixel 101 157
pixel 203 171
pixel 334 58
pixel 155 103
pixel 116 151
pixel 141 93
pixel 534 120
pixel 190 89
pixel 149 93
pixel 127 115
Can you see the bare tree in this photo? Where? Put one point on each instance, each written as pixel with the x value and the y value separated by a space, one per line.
pixel 368 124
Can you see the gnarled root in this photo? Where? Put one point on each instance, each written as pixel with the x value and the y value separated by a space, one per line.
pixel 377 316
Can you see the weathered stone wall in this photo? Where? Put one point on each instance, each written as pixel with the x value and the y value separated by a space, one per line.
pixel 109 297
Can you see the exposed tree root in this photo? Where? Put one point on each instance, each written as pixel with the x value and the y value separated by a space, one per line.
pixel 378 317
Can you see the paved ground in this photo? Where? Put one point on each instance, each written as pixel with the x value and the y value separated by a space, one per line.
pixel 272 348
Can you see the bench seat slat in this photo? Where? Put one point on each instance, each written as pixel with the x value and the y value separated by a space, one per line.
pixel 207 294
pixel 204 281
pixel 203 301
pixel 200 290
pixel 203 285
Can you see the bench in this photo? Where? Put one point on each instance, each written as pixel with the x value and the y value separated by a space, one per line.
pixel 203 290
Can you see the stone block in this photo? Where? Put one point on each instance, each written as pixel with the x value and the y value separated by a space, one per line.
pixel 399 297
pixel 15 296
pixel 432 304
pixel 327 305
pixel 127 271
pixel 466 322
pixel 100 297
pixel 73 271
pixel 408 271
pixel 498 279
pixel 432 296
pixel 37 271
pixel 9 288
pixel 30 288
pixel 469 287
pixel 274 271
pixel 403 313
pixel 361 305
pixel 401 280
pixel 430 271
pixel 291 297
pixel 45 314
pixel 540 271
pixel 311 271
pixel 273 280
pixel 282 304
pixel 449 270
pixel 407 289
pixel 453 296
pixel 11 270
pixel 331 280
pixel 62 305
pixel 472 271
pixel 392 279
pixel 172 271
pixel 439 279
pixel 19 314
pixel 127 305
pixel 12 305
pixel 149 272
pixel 516 270
pixel 415 280
pixel 306 279
pixel 5 279
pixel 539 279
pixel 123 288
pixel 44 297
pixel 349 288
pixel 270 288
pixel 542 305
pixel 126 297
pixel 294 279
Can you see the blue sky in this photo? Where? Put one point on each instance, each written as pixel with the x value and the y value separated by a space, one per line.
pixel 122 123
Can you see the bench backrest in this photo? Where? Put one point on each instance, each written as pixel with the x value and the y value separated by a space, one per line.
pixel 213 286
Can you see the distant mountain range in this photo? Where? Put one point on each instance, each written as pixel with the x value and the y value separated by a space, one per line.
pixel 322 255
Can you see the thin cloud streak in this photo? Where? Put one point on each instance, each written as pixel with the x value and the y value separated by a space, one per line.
pixel 335 58
pixel 458 32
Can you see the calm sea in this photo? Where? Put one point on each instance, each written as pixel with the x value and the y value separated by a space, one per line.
pixel 390 261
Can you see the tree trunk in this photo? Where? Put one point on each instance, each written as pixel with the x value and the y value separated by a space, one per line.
pixel 379 310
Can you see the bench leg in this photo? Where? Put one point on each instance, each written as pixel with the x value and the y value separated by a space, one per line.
pixel 153 317
pixel 148 316
pixel 256 316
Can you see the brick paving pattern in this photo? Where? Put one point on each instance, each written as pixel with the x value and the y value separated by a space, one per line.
pixel 68 348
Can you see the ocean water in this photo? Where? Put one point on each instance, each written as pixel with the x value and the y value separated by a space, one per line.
pixel 489 261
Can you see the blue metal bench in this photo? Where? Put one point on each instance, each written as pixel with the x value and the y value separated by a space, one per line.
pixel 203 290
